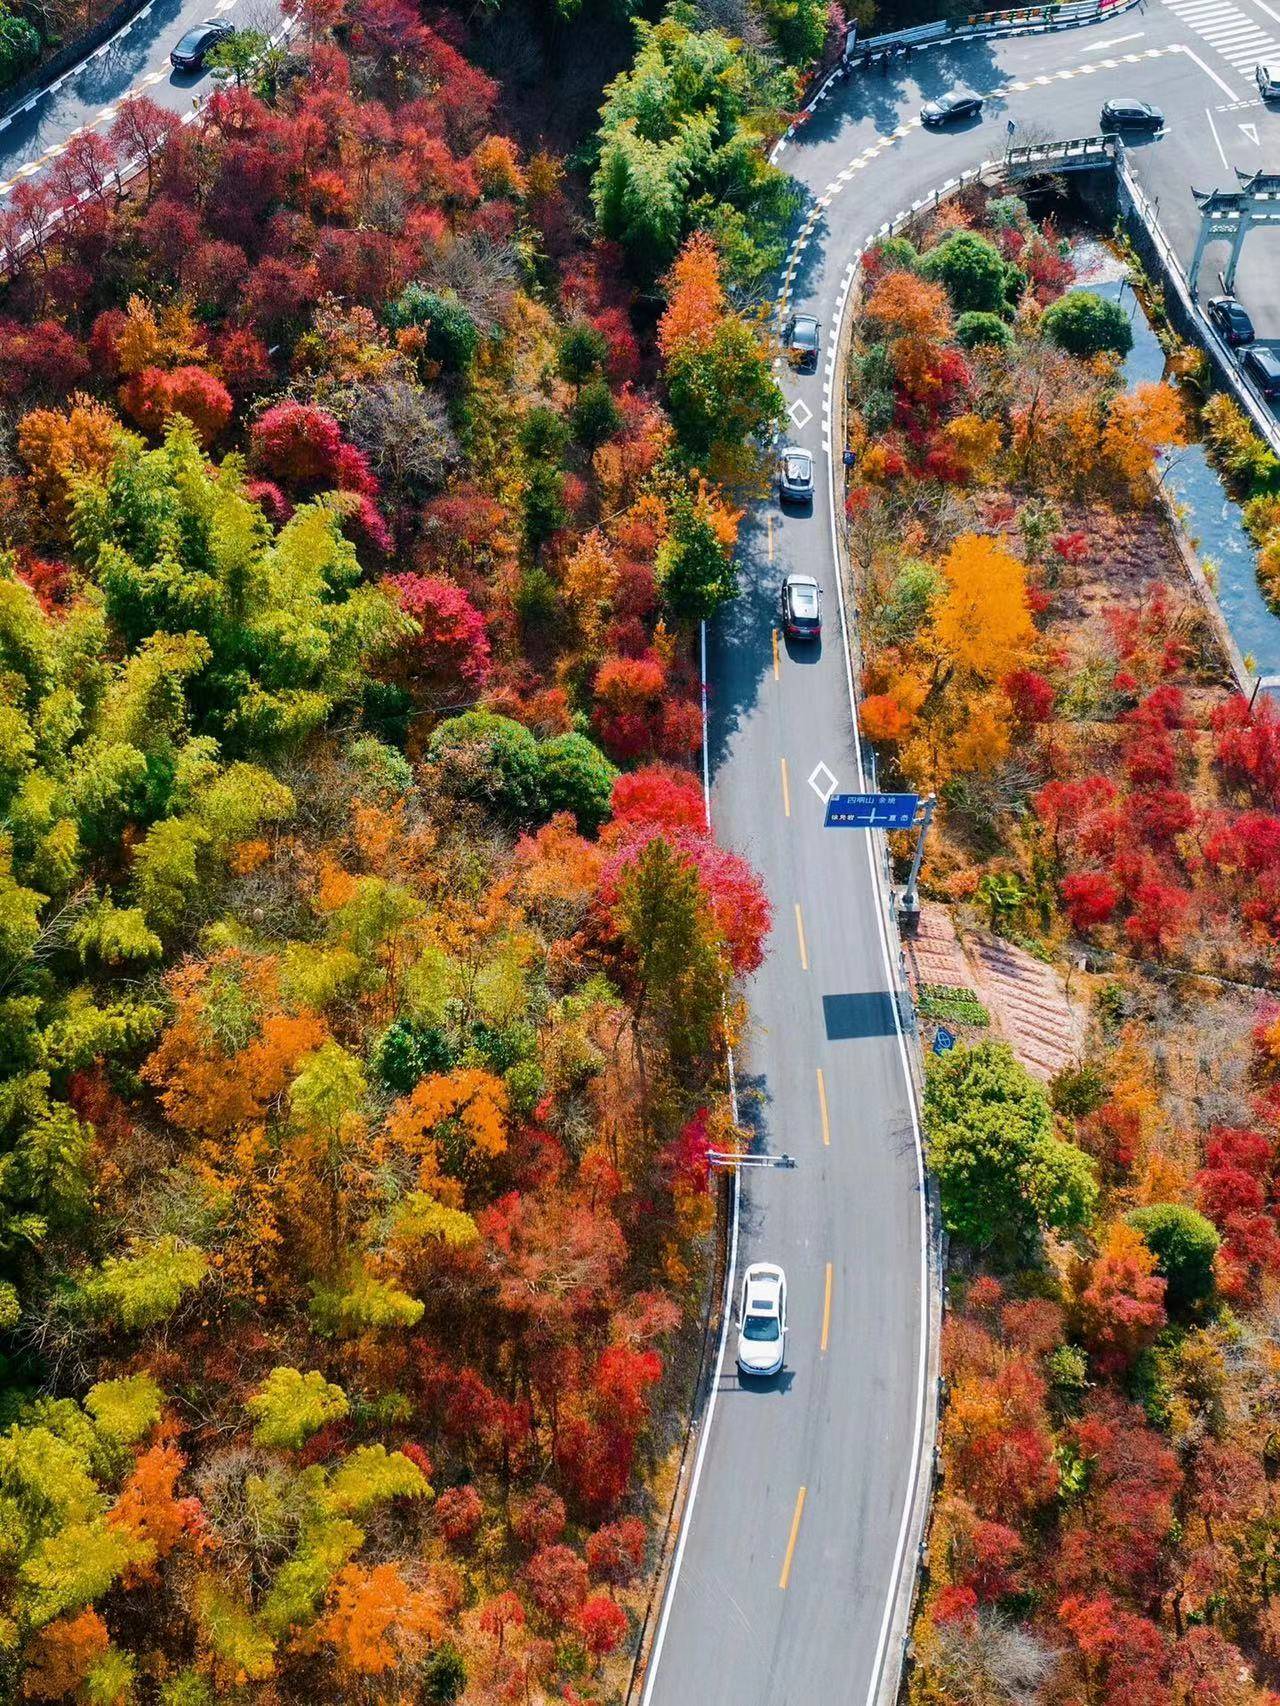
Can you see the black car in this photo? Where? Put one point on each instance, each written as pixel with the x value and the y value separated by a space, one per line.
pixel 1230 319
pixel 191 51
pixel 1130 115
pixel 802 340
pixel 801 606
pixel 950 108
pixel 1263 367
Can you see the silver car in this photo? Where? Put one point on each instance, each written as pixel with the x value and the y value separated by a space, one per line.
pixel 795 475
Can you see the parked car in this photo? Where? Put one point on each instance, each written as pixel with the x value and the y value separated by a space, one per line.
pixel 950 108
pixel 802 340
pixel 191 51
pixel 762 1328
pixel 1230 319
pixel 1267 77
pixel 1263 367
pixel 801 604
pixel 1130 115
pixel 795 475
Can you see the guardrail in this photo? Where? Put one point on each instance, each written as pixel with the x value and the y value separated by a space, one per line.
pixel 995 23
pixel 1080 152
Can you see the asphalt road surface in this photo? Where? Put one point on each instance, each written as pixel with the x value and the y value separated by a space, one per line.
pixel 134 61
pixel 793 1545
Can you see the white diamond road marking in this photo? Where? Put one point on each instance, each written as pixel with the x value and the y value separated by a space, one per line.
pixel 800 412
pixel 1231 31
pixel 821 771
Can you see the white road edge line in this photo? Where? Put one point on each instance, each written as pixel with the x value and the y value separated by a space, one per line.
pixel 730 1281
pixel 1222 153
pixel 922 1377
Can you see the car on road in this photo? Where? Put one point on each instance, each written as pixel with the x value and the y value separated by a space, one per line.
pixel 801 605
pixel 1267 77
pixel 951 107
pixel 795 476
pixel 1230 318
pixel 1263 367
pixel 1130 115
pixel 199 42
pixel 802 340
pixel 762 1325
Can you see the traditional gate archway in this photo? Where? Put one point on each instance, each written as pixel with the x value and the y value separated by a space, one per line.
pixel 1232 214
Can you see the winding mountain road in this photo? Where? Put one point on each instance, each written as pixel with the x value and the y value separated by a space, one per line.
pixel 788 1585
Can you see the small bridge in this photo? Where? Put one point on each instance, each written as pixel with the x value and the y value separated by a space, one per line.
pixel 1081 154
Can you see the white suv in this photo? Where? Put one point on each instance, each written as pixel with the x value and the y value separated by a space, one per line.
pixel 762 1327
pixel 1267 78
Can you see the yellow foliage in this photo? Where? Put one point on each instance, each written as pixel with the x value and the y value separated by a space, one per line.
pixel 976 443
pixel 982 624
pixel 170 338
pixel 59 446
pixel 497 165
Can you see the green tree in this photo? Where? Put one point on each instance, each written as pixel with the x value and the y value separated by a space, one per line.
pixel 721 392
pixel 595 416
pixel 290 1406
pixel 695 571
pixel 452 336
pixel 1086 324
pixel 542 505
pixel 1003 1174
pixel 972 271
pixel 679 145
pixel 978 329
pixel 678 971
pixel 581 352
pixel 238 56
pixel 577 778
pixel 1184 1244
pixel 492 759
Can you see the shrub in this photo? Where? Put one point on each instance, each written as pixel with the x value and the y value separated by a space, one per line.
pixel 971 269
pixel 1086 324
pixel 491 759
pixel 452 337
pixel 979 327
pixel 577 778
pixel 1184 1244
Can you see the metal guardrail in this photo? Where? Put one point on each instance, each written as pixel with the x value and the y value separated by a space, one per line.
pixel 1078 153
pixel 995 23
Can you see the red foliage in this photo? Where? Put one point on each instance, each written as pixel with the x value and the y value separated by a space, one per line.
pixel 457 1514
pixel 1120 1656
pixel 659 795
pixel 39 360
pixel 1237 1190
pixel 1090 898
pixel 557 1581
pixel 1159 917
pixel 452 651
pixel 616 1551
pixel 538 1518
pixel 154 395
pixel 1247 749
pixel 303 446
pixel 1030 694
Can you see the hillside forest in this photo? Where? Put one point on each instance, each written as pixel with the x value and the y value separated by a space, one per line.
pixel 366 964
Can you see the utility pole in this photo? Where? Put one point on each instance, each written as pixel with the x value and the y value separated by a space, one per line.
pixel 911 895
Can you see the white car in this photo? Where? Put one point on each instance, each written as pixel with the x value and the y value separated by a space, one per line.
pixel 762 1328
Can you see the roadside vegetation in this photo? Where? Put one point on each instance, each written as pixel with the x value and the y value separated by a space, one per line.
pixel 365 963
pixel 1034 652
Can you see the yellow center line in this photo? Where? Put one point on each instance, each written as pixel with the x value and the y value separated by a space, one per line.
pixel 826 1311
pixel 822 1107
pixel 785 1577
pixel 775 654
pixel 786 791
pixel 804 952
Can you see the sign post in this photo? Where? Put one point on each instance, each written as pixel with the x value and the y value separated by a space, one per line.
pixel 888 811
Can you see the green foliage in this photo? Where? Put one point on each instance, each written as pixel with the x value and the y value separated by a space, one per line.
pixel 542 505
pixel 1003 1174
pixel 19 45
pixel 365 1304
pixel 911 597
pixel 444 1679
pixel 1078 1091
pixel 978 328
pixel 695 571
pixel 491 759
pixel 371 1476
pixel 581 352
pixel 147 1285
pixel 679 148
pixel 231 1632
pixel 1086 324
pixel 290 1406
pixel 664 923
pixel 1184 1244
pixel 407 1052
pixel 595 416
pixel 721 391
pixel 452 336
pixel 799 27
pixel 126 1409
pixel 951 1004
pixel 382 772
pixel 972 271
pixel 576 777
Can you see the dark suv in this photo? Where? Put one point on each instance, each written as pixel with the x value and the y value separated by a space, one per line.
pixel 1230 320
pixel 1263 367
pixel 802 341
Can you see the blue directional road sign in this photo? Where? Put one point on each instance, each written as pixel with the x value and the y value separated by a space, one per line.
pixel 871 811
pixel 943 1039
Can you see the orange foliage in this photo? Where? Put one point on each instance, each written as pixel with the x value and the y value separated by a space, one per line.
pixel 377 1619
pixel 61 1656
pixel 148 1508
pixel 910 307
pixel 695 296
pixel 467 1105
pixel 206 1083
